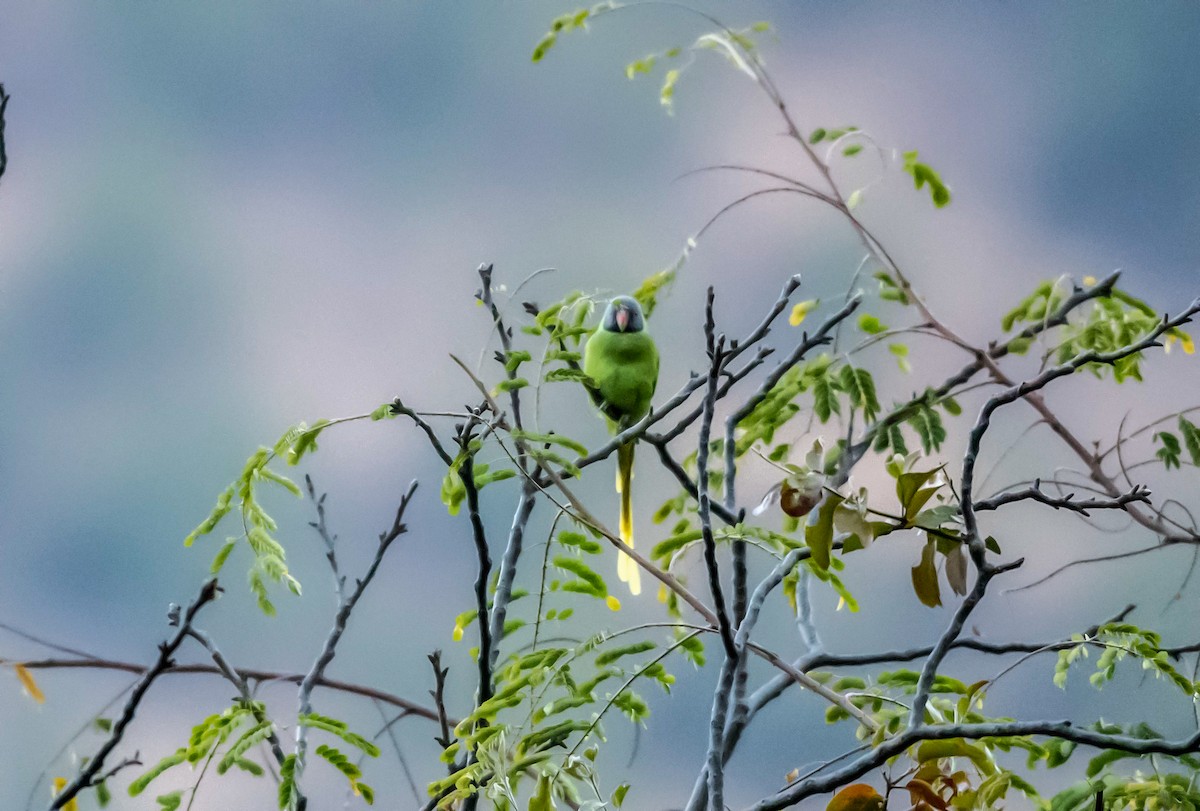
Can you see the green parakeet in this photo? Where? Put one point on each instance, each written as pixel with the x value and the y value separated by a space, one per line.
pixel 620 357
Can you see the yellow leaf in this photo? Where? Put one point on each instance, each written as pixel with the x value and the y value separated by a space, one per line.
pixel 613 603
pixel 1189 346
pixel 662 593
pixel 791 776
pixel 29 684
pixel 858 797
pixel 1088 281
pixel 801 310
pixel 60 783
pixel 458 633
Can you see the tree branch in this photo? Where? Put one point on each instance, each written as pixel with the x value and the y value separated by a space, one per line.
pixel 166 650
pixel 4 97
pixel 1035 493
pixel 329 650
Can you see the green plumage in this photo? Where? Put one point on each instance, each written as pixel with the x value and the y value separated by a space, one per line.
pixel 622 360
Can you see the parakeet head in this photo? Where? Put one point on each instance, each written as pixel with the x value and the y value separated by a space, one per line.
pixel 624 314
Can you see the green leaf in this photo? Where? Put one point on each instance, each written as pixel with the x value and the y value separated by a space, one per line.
pixel 384 412
pixel 650 288
pixel 579 541
pixel 852 150
pixel 618 795
pixel 366 792
pixel 956 747
pixel 859 384
pixel 281 480
pixel 612 655
pixel 170 802
pixel 224 505
pixel 923 174
pixel 1170 452
pixel 542 799
pixel 588 583
pixel 889 288
pixel 1101 761
pixel 288 793
pixel 817 136
pixel 539 53
pixel 339 728
pixel 550 439
pixel 514 358
pixel 1191 439
pixel 223 555
pixel 482 480
pixel 453 490
pixel 666 95
pixel 512 384
pixel 870 324
pixel 913 491
pixel 568 375
pixel 305 442
pixel 928 425
pixel 340 762
pixel 925 579
pixel 139 785
pixel 825 402
pixel 251 737
pixel 818 535
pixel 901 353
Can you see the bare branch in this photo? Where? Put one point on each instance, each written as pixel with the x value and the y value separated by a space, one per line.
pixel 339 581
pixel 398 407
pixel 329 650
pixel 1035 493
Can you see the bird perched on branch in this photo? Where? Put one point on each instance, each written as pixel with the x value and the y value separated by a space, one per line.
pixel 622 361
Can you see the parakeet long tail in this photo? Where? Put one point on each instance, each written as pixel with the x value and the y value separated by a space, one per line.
pixel 627 568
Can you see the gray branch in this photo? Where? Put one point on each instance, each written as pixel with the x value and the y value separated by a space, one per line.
pixel 346 607
pixel 1069 502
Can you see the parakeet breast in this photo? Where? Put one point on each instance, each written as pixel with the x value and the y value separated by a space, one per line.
pixel 624 366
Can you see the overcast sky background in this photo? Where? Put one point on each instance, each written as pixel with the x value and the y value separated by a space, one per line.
pixel 219 219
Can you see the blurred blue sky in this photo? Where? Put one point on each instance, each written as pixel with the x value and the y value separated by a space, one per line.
pixel 221 218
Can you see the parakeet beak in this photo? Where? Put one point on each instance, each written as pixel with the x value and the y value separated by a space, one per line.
pixel 622 316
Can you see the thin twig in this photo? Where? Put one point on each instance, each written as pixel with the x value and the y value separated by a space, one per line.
pixel 339 581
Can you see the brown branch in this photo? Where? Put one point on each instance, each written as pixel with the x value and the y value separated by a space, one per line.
pixel 249 674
